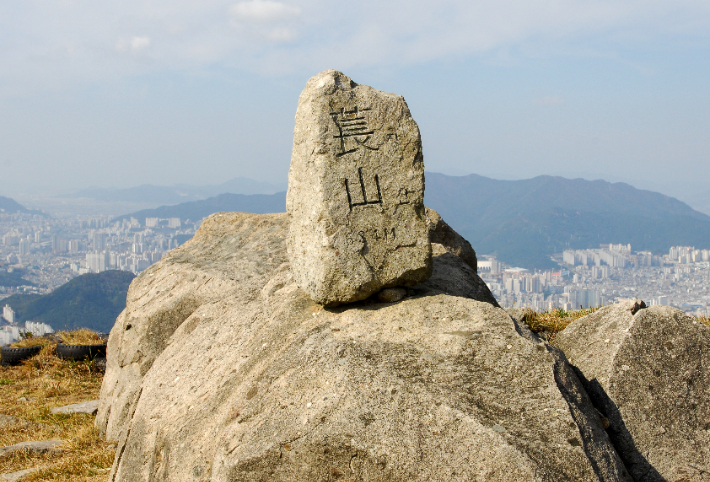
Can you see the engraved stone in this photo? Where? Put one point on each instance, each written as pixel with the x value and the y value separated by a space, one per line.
pixel 355 192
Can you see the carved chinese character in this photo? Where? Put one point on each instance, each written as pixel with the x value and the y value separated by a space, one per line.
pixel 374 198
pixel 352 125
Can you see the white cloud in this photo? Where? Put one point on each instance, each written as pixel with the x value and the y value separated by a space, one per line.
pixel 140 43
pixel 264 11
pixel 134 44
pixel 267 36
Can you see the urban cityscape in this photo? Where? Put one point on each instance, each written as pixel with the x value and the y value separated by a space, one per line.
pixel 603 276
pixel 47 252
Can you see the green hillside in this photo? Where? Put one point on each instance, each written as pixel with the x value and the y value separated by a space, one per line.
pixel 88 301
pixel 13 279
pixel 524 222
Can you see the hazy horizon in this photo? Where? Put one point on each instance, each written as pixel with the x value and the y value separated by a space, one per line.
pixel 195 93
pixel 43 199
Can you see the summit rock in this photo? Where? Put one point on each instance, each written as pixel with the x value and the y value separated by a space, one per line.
pixel 222 369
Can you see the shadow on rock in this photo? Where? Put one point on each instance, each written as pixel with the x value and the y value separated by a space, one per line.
pixel 639 467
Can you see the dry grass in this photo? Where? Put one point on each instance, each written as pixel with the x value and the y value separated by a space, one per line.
pixel 46 381
pixel 549 323
pixel 80 337
pixel 32 341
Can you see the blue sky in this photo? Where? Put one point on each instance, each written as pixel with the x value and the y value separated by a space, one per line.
pixel 163 92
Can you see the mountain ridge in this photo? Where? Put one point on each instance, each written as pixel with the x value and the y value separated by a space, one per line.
pixel 523 222
pixel 228 202
pixel 179 193
pixel 10 206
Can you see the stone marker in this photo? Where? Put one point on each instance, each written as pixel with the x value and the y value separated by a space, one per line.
pixel 90 407
pixel 355 192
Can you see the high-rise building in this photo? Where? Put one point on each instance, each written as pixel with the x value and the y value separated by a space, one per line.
pixel 585 298
pixel 10 240
pixel 24 246
pixel 98 241
pixel 59 244
pixel 97 261
pixel 9 314
pixel 37 328
pixel 174 223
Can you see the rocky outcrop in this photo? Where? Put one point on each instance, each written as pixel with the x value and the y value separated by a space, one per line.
pixel 222 369
pixel 648 372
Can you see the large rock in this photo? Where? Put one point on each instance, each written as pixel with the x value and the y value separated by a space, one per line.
pixel 649 374
pixel 259 383
pixel 355 192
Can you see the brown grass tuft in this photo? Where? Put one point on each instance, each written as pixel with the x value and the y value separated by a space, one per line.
pixel 80 337
pixel 548 323
pixel 32 341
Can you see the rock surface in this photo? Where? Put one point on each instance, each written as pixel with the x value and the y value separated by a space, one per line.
pixel 19 475
pixel 443 236
pixel 7 420
pixel 252 381
pixel 356 192
pixel 649 374
pixel 35 447
pixel 90 407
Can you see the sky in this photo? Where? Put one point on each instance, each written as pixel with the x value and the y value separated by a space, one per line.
pixel 118 94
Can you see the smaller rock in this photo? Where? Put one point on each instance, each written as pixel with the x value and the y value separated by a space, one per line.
pixel 15 476
pixel 391 295
pixel 22 399
pixel 38 447
pixel 638 305
pixel 6 420
pixel 100 364
pixel 90 407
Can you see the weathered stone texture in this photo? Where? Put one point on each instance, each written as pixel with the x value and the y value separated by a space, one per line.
pixel 649 374
pixel 259 383
pixel 356 191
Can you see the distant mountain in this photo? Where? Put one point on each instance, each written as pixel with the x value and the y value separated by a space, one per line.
pixel 88 301
pixel 196 210
pixel 180 193
pixel 524 222
pixel 10 206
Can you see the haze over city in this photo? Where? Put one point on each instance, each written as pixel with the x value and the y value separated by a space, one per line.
pixel 118 95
